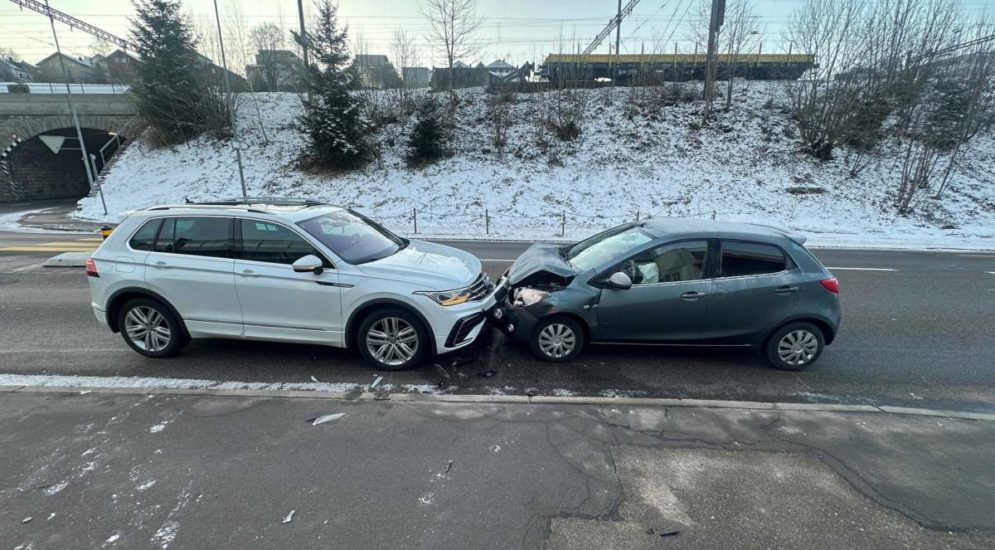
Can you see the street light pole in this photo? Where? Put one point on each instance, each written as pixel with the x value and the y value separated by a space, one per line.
pixel 72 109
pixel 224 65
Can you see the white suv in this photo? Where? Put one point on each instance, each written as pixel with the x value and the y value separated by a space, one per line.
pixel 285 270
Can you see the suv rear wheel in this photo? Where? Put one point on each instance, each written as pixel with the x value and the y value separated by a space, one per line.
pixel 150 328
pixel 795 346
pixel 392 339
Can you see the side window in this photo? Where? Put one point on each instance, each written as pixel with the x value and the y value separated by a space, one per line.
pixel 667 264
pixel 269 242
pixel 145 237
pixel 196 237
pixel 165 241
pixel 740 259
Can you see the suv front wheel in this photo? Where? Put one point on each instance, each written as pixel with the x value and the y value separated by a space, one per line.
pixel 392 339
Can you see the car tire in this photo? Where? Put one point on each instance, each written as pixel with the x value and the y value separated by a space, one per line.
pixel 385 339
pixel 795 346
pixel 557 339
pixel 150 328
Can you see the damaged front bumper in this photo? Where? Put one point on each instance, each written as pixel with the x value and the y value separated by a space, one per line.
pixel 515 321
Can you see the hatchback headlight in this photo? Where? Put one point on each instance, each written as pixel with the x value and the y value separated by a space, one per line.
pixel 448 297
pixel 528 296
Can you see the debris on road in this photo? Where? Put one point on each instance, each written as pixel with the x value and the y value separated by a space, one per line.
pixel 670 533
pixel 313 379
pixel 376 382
pixel 325 418
pixel 442 371
pixel 488 373
pixel 27 519
pixel 289 517
pixel 449 467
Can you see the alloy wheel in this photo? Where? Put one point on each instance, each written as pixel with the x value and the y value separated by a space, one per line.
pixel 147 329
pixel 557 340
pixel 392 341
pixel 797 347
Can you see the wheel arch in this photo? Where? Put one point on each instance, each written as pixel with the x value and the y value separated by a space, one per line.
pixel 828 332
pixel 124 295
pixel 358 314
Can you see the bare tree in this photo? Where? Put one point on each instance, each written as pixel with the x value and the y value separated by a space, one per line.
pixel 499 115
pixel 740 33
pixel 268 37
pixel 454 24
pixel 405 54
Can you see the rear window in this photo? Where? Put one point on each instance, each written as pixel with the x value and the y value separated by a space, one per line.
pixel 210 237
pixel 739 259
pixel 144 237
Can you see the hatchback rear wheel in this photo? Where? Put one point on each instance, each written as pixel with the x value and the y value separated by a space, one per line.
pixel 795 346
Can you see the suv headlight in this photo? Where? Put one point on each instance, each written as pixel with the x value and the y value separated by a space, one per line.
pixel 448 297
pixel 528 296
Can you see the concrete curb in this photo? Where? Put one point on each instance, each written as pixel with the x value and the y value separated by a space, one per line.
pixel 507 399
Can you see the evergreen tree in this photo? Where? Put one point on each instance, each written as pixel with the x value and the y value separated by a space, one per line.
pixel 427 142
pixel 169 92
pixel 333 123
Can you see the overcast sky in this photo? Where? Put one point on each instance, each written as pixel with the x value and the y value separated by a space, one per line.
pixel 521 30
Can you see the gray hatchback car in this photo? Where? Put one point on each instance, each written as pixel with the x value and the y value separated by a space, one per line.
pixel 674 282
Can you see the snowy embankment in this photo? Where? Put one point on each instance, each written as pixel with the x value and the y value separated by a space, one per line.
pixel 740 168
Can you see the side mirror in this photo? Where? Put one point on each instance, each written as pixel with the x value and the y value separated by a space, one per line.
pixel 308 264
pixel 620 281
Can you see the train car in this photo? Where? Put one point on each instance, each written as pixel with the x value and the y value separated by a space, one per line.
pixel 673 67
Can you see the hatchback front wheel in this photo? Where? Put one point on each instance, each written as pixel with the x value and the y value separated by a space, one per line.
pixel 557 339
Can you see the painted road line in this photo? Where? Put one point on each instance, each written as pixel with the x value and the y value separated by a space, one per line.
pixel 494 260
pixel 990 272
pixel 53 250
pixel 862 268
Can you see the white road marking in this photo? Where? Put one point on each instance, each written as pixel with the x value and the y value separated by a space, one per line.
pixel 496 260
pixel 861 268
pixel 990 272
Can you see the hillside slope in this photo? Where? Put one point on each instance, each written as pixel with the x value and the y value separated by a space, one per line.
pixel 741 168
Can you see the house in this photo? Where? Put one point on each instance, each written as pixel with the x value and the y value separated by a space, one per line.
pixel 16 71
pixel 416 77
pixel 501 68
pixel 213 74
pixel 79 69
pixel 275 71
pixel 120 65
pixel 375 71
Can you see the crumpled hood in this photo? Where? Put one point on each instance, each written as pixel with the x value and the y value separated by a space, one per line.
pixel 540 257
pixel 432 266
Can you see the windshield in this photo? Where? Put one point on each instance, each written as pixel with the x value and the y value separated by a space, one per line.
pixel 352 237
pixel 606 247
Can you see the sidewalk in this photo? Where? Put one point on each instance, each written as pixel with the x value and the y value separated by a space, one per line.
pixel 173 470
pixel 50 215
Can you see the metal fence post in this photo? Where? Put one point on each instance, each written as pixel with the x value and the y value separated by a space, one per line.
pixel 563 223
pixel 487 221
pixel 713 214
pixel 414 216
pixel 637 215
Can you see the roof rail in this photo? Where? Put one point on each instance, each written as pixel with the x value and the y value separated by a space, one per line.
pixel 270 201
pixel 205 206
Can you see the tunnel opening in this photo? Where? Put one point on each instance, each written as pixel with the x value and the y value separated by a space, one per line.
pixel 50 165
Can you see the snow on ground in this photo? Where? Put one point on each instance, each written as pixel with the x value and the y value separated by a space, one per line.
pixel 738 168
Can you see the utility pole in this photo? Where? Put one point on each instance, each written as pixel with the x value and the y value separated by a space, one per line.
pixel 235 141
pixel 303 35
pixel 72 109
pixel 618 41
pixel 714 24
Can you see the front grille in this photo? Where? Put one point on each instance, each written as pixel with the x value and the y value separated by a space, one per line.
pixel 481 287
pixel 461 331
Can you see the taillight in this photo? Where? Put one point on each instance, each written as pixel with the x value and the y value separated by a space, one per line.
pixel 832 285
pixel 91 268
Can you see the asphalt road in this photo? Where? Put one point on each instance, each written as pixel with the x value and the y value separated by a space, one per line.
pixel 917 331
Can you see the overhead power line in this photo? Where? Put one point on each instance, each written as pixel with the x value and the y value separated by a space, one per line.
pixel 75 23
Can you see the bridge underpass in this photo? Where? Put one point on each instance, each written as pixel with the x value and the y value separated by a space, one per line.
pixel 40 154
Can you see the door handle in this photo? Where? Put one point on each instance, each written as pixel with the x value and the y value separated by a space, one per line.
pixel 785 290
pixel 248 273
pixel 162 264
pixel 692 296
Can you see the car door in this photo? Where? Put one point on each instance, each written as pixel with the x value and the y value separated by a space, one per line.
pixel 754 289
pixel 277 302
pixel 666 302
pixel 191 266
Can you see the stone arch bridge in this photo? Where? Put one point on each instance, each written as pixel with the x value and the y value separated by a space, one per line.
pixel 30 169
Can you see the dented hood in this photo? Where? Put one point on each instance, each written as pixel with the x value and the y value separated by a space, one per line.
pixel 538 258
